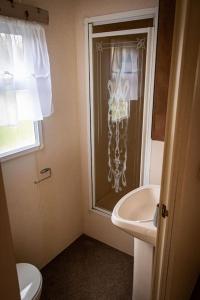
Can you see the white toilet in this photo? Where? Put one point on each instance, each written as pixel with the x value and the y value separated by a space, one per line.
pixel 30 281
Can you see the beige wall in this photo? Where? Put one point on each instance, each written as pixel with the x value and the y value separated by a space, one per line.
pixel 157 149
pixel 45 218
pixel 98 226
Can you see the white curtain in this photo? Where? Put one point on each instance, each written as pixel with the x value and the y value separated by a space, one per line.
pixel 124 70
pixel 25 81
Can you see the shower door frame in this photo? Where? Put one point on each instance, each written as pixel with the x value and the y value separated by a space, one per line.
pixel 148 89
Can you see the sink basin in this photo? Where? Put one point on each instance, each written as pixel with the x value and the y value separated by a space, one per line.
pixel 135 211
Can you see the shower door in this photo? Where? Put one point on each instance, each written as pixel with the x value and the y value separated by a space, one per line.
pixel 117 86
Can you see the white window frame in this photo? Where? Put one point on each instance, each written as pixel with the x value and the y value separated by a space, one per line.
pixel 27 149
pixel 148 90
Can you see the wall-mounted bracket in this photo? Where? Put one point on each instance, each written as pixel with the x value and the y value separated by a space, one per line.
pixel 42 172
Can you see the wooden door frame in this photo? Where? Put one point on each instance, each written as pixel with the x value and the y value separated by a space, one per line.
pixel 179 109
pixel 9 288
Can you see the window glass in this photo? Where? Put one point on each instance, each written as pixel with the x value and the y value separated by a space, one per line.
pixel 17 138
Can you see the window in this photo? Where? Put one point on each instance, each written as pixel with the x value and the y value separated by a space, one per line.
pixel 16 140
pixel 25 86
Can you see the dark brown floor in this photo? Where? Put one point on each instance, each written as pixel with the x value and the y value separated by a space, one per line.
pixel 88 270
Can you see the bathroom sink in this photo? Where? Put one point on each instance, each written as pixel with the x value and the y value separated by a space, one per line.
pixel 135 211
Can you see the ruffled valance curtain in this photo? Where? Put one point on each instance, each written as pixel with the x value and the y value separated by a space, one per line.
pixel 25 81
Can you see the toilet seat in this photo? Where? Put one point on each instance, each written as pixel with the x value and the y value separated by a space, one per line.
pixel 30 281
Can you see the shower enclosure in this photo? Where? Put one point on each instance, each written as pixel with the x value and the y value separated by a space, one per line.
pixel 119 78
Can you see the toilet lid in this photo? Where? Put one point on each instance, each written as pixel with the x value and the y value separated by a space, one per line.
pixel 30 280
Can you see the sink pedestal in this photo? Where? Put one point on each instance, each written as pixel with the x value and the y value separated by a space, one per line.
pixel 134 214
pixel 142 270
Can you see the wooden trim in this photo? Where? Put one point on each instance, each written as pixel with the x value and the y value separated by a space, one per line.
pixel 9 282
pixel 162 71
pixel 123 16
pixel 179 116
pixel 23 12
pixel 143 23
pixel 164 225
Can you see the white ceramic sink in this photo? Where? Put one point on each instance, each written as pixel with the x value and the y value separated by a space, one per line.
pixel 135 211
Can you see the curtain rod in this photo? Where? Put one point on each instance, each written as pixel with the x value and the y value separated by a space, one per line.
pixel 9 8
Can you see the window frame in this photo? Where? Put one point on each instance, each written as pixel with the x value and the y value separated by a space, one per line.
pixel 27 149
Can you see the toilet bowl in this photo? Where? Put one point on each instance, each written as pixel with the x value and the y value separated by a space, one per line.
pixel 30 281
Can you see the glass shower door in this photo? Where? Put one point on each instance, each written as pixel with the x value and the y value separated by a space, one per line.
pixel 119 64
